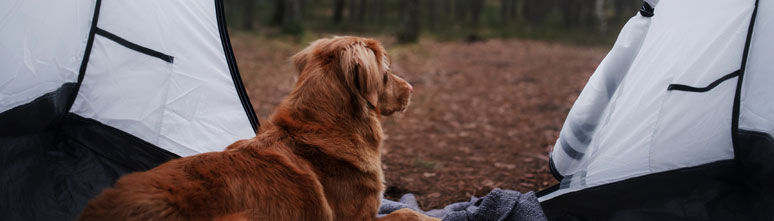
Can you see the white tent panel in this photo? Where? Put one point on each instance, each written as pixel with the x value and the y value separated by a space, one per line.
pixel 590 105
pixel 124 89
pixel 188 106
pixel 757 99
pixel 646 128
pixel 41 46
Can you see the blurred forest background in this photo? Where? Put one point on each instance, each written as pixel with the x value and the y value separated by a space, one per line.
pixel 493 79
pixel 578 21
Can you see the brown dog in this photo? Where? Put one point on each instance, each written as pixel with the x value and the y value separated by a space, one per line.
pixel 318 158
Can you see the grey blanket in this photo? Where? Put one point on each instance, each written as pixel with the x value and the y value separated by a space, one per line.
pixel 497 205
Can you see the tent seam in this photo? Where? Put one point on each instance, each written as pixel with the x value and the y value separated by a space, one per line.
pixel 232 66
pixel 656 127
pixel 736 108
pixel 86 54
pixel 166 96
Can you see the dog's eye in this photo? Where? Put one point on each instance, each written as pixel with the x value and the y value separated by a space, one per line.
pixel 384 80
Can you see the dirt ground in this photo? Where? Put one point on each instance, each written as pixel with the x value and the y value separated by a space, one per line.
pixel 483 115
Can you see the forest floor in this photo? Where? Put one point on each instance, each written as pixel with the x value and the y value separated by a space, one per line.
pixel 483 115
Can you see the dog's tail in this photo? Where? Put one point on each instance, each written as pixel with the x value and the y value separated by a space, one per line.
pixel 122 203
pixel 113 204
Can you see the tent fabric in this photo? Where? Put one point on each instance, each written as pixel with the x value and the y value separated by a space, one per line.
pixel 91 90
pixel 51 175
pixel 626 123
pixel 715 191
pixel 680 93
pixel 42 47
pixel 158 97
pixel 754 140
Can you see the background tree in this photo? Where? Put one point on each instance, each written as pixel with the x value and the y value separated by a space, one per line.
pixel 279 13
pixel 599 11
pixel 475 12
pixel 409 25
pixel 352 6
pixel 535 11
pixel 377 12
pixel 508 10
pixel 338 11
pixel 247 14
pixel 576 20
pixel 362 9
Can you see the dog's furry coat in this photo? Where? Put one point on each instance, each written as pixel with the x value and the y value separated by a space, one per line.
pixel 318 157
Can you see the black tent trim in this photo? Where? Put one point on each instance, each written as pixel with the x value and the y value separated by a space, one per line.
pixel 753 150
pixel 740 80
pixel 232 66
pixel 554 171
pixel 86 53
pixel 51 175
pixel 682 87
pixel 571 152
pixel 47 110
pixel 133 153
pixel 711 191
pixel 754 158
pixel 135 47
pixel 646 10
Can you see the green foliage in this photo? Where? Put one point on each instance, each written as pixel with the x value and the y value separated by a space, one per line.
pixel 438 19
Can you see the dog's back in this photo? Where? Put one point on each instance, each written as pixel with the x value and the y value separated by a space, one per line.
pixel 242 182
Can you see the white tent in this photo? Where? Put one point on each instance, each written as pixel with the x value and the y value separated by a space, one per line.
pixel 91 89
pixel 677 120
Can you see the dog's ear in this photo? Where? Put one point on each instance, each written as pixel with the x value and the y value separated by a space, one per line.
pixel 362 67
pixel 301 59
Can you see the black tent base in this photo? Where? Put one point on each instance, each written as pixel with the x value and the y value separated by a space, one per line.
pixel 51 175
pixel 714 191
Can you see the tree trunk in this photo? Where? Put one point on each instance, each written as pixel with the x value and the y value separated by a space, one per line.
pixel 624 9
pixel 433 7
pixel 279 13
pixel 475 12
pixel 338 11
pixel 536 11
pixel 571 12
pixel 247 14
pixel 352 6
pixel 362 9
pixel 292 12
pixel 409 31
pixel 512 8
pixel 302 7
pixel 448 10
pixel 599 11
pixel 379 12
pixel 291 23
pixel 506 11
pixel 461 10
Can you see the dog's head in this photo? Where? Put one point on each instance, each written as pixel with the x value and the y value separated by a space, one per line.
pixel 361 67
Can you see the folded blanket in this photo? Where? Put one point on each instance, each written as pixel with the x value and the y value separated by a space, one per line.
pixel 497 205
